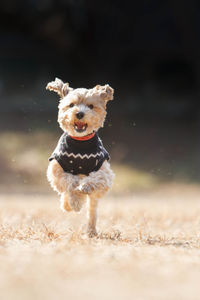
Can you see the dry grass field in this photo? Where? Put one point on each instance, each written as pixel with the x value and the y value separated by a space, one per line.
pixel 148 247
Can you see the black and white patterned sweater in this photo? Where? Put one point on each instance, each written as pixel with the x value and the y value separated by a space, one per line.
pixel 80 157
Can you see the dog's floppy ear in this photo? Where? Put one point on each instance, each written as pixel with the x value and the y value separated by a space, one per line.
pixel 105 92
pixel 59 87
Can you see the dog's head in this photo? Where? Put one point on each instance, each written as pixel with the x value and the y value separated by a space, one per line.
pixel 81 111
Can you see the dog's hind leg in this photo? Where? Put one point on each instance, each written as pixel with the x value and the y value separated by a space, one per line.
pixel 92 215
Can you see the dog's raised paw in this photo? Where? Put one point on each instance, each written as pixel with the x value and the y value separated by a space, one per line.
pixel 76 200
pixel 75 204
pixel 86 188
pixel 64 205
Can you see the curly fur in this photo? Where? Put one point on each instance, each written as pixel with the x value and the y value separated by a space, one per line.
pixel 75 189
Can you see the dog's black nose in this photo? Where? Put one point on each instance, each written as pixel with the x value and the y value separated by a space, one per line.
pixel 80 115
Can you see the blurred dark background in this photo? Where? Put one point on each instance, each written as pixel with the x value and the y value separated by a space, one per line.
pixel 148 51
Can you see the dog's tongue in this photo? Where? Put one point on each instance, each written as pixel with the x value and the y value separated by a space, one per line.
pixel 80 125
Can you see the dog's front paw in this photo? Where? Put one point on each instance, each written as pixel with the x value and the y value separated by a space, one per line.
pixel 76 201
pixel 86 188
pixel 74 184
pixel 64 205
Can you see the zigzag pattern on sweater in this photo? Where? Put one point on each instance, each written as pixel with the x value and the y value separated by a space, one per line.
pixel 81 156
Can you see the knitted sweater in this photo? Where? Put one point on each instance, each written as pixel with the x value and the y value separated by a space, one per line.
pixel 80 157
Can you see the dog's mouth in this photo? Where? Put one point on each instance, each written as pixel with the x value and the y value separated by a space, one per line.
pixel 80 126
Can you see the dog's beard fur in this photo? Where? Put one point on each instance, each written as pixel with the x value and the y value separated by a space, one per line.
pixel 93 108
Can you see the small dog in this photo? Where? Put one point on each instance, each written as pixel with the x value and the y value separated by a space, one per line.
pixel 79 166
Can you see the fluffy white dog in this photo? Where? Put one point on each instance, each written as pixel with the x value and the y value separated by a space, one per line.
pixel 79 167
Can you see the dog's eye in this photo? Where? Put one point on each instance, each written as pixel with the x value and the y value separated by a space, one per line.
pixel 71 105
pixel 91 106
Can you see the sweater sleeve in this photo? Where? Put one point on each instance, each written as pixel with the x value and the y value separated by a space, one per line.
pixel 55 153
pixel 107 156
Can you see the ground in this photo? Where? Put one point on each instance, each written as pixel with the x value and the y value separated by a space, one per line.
pixel 148 247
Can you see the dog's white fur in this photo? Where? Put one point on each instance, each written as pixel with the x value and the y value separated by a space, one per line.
pixel 75 189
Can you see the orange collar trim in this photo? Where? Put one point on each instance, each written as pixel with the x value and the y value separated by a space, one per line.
pixel 83 138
